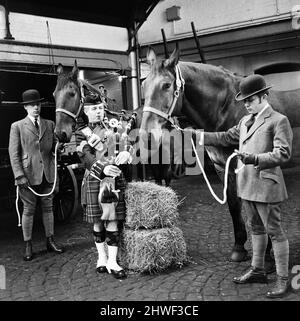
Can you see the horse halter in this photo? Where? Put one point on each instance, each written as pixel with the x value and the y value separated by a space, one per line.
pixel 179 88
pixel 69 113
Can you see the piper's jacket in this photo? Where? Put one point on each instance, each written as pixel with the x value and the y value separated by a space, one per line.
pixel 270 138
pixel 102 153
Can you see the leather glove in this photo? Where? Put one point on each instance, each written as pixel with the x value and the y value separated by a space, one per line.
pixel 247 158
pixel 22 182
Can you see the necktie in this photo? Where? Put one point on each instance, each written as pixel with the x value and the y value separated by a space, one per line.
pixel 36 124
pixel 250 122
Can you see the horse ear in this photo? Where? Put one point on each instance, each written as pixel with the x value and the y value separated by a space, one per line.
pixel 60 69
pixel 75 71
pixel 174 58
pixel 151 56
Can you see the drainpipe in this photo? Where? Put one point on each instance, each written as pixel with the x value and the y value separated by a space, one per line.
pixel 135 74
pixel 8 34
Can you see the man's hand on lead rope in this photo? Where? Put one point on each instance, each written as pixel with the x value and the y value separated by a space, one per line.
pixel 124 157
pixel 22 182
pixel 247 158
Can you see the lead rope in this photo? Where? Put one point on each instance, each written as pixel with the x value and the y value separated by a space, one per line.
pixel 225 175
pixel 33 191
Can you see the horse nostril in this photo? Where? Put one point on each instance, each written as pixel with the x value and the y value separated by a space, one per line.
pixel 61 136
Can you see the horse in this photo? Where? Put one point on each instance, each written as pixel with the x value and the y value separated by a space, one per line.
pixel 68 96
pixel 205 95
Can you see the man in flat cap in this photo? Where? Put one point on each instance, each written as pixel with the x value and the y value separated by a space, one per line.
pixel 265 143
pixel 31 147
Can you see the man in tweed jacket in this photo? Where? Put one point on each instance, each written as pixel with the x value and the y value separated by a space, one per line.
pixel 265 143
pixel 31 146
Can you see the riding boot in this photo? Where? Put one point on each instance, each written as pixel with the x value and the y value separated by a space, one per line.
pixel 281 254
pixel 254 275
pixel 102 258
pixel 112 266
pixel 259 245
pixel 28 254
pixel 52 246
pixel 280 288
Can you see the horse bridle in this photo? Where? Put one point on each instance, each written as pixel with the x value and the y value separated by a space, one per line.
pixel 69 113
pixel 179 82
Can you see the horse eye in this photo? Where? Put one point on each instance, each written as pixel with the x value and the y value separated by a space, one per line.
pixel 72 93
pixel 166 85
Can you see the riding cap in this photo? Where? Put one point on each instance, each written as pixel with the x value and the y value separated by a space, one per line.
pixel 250 86
pixel 31 96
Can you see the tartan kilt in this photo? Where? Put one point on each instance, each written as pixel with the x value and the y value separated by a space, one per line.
pixel 89 199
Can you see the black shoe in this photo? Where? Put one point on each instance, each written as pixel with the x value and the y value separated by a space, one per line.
pixel 52 246
pixel 280 288
pixel 117 274
pixel 254 275
pixel 28 254
pixel 101 269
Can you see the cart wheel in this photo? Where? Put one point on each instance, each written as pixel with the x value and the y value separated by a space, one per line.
pixel 66 200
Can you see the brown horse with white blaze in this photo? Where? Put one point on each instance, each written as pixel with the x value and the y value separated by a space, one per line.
pixel 205 94
pixel 68 99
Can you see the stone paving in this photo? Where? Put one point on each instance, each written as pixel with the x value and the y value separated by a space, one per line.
pixel 208 276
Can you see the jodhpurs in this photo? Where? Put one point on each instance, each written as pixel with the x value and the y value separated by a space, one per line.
pixel 265 218
pixel 29 207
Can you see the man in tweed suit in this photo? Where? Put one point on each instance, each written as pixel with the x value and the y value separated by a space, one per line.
pixel 265 143
pixel 31 147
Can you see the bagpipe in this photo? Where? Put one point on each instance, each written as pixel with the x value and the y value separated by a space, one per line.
pixel 114 124
pixel 117 126
pixel 117 130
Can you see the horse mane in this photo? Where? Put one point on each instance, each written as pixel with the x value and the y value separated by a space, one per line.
pixel 229 72
pixel 221 79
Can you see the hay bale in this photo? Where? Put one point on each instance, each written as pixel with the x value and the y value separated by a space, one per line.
pixel 150 206
pixel 152 250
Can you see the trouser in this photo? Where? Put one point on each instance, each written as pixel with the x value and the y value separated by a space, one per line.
pixel 263 219
pixel 29 201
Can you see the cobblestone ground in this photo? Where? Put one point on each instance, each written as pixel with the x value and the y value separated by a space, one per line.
pixel 208 276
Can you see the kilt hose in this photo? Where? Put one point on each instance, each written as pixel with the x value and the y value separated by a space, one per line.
pixel 90 192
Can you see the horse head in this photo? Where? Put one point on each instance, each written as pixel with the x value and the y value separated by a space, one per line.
pixel 161 91
pixel 67 95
